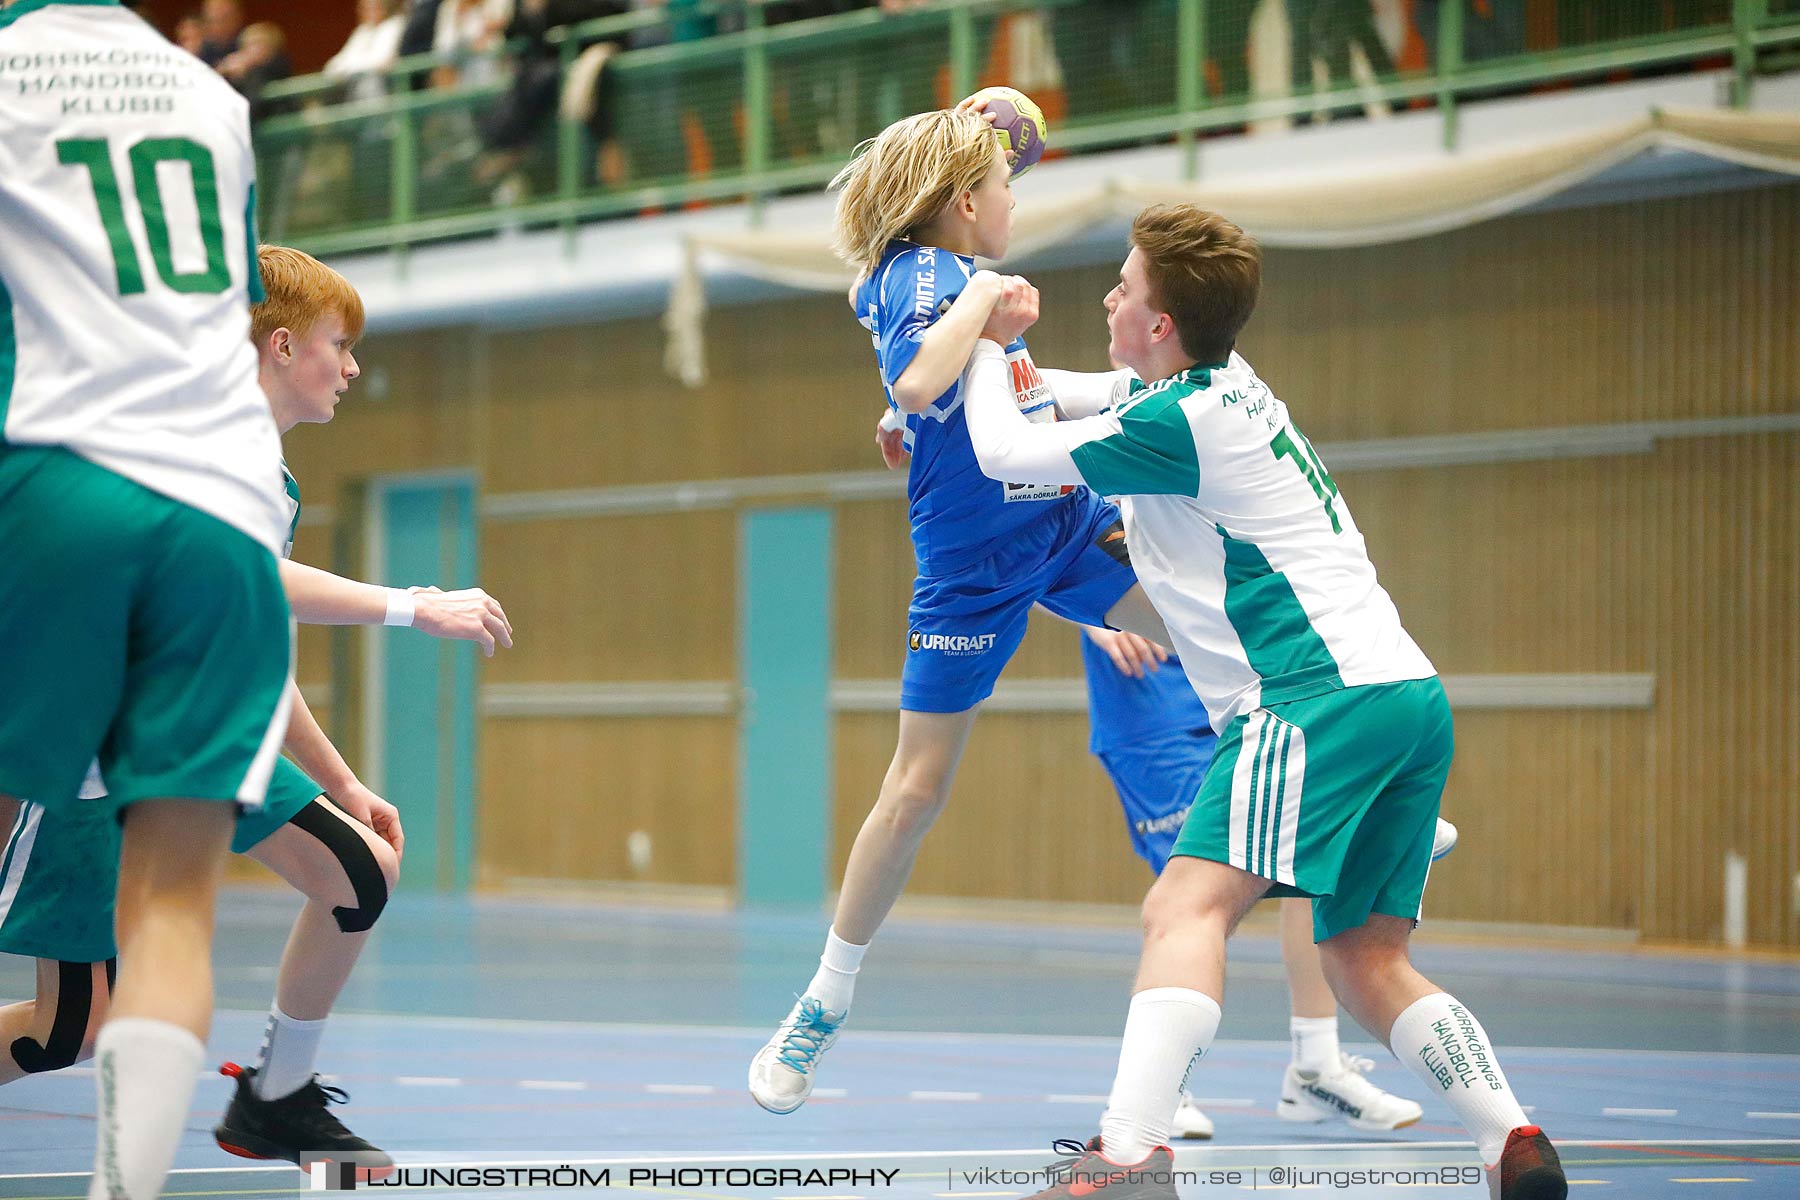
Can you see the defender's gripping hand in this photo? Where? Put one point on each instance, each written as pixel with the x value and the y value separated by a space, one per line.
pixel 469 615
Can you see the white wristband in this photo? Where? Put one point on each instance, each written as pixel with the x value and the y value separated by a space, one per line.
pixel 400 607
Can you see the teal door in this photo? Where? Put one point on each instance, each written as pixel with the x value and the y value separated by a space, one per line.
pixel 784 648
pixel 421 691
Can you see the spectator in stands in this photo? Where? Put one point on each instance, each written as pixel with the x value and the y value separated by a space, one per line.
pixel 1115 61
pixel 1326 31
pixel 260 59
pixel 800 10
pixel 515 123
pixel 419 26
pixel 371 49
pixel 687 126
pixel 224 22
pixel 1491 28
pixel 469 34
pixel 190 34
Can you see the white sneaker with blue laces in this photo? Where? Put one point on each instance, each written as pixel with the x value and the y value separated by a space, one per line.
pixel 781 1074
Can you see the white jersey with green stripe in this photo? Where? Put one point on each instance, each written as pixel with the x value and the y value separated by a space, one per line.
pixel 1235 528
pixel 127 186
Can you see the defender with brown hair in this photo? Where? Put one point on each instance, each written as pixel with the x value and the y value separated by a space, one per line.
pixel 1334 734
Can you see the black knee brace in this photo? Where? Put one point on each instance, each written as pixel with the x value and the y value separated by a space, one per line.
pixel 358 861
pixel 68 1026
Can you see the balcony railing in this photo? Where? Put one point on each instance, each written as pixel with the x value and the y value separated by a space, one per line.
pixel 761 109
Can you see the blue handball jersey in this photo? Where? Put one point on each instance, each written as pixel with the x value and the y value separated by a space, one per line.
pixel 959 516
pixel 1129 712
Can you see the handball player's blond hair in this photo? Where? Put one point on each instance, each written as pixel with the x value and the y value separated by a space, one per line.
pixel 904 177
pixel 301 290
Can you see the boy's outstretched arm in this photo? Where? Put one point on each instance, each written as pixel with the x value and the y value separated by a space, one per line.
pixel 1086 394
pixel 321 598
pixel 1007 445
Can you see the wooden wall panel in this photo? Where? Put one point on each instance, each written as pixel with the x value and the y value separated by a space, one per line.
pixel 1661 310
pixel 1516 567
pixel 615 598
pixel 587 406
pixel 1032 815
pixel 1727 752
pixel 418 407
pixel 559 798
pixel 1550 807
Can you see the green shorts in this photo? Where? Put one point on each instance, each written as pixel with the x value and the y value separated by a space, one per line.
pixel 60 869
pixel 1333 797
pixel 137 630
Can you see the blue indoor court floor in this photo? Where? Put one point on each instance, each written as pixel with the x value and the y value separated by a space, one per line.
pixel 506 1032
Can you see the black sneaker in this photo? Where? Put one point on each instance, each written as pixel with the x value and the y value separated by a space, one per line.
pixel 1528 1168
pixel 297 1127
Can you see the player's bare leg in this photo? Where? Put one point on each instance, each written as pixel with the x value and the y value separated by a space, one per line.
pixel 149 1051
pixel 1427 1029
pixel 913 793
pixel 39 1035
pixel 346 872
pixel 319 955
pixel 1322 1082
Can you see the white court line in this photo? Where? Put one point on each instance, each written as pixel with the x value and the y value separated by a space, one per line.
pixel 1773 1116
pixel 1637 1112
pixel 951 1096
pixel 553 1085
pixel 427 1081
pixel 683 1089
pixel 761 1034
pixel 1069 1098
pixel 829 1093
pixel 1222 1102
pixel 912 1155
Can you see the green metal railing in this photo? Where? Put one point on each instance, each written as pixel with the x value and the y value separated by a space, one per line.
pixel 759 109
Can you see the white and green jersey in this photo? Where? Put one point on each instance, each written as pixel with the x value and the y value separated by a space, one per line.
pixel 128 262
pixel 1235 529
pixel 290 507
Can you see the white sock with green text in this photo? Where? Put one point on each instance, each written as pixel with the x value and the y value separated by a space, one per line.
pixel 146 1071
pixel 1165 1031
pixel 1443 1044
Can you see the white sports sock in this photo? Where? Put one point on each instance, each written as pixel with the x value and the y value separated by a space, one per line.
pixel 835 982
pixel 284 1064
pixel 1446 1046
pixel 146 1071
pixel 1315 1042
pixel 1165 1031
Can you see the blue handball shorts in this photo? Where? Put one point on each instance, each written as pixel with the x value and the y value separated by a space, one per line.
pixel 962 628
pixel 1157 782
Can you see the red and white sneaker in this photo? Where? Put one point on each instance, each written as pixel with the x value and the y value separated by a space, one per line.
pixel 1528 1168
pixel 1093 1174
